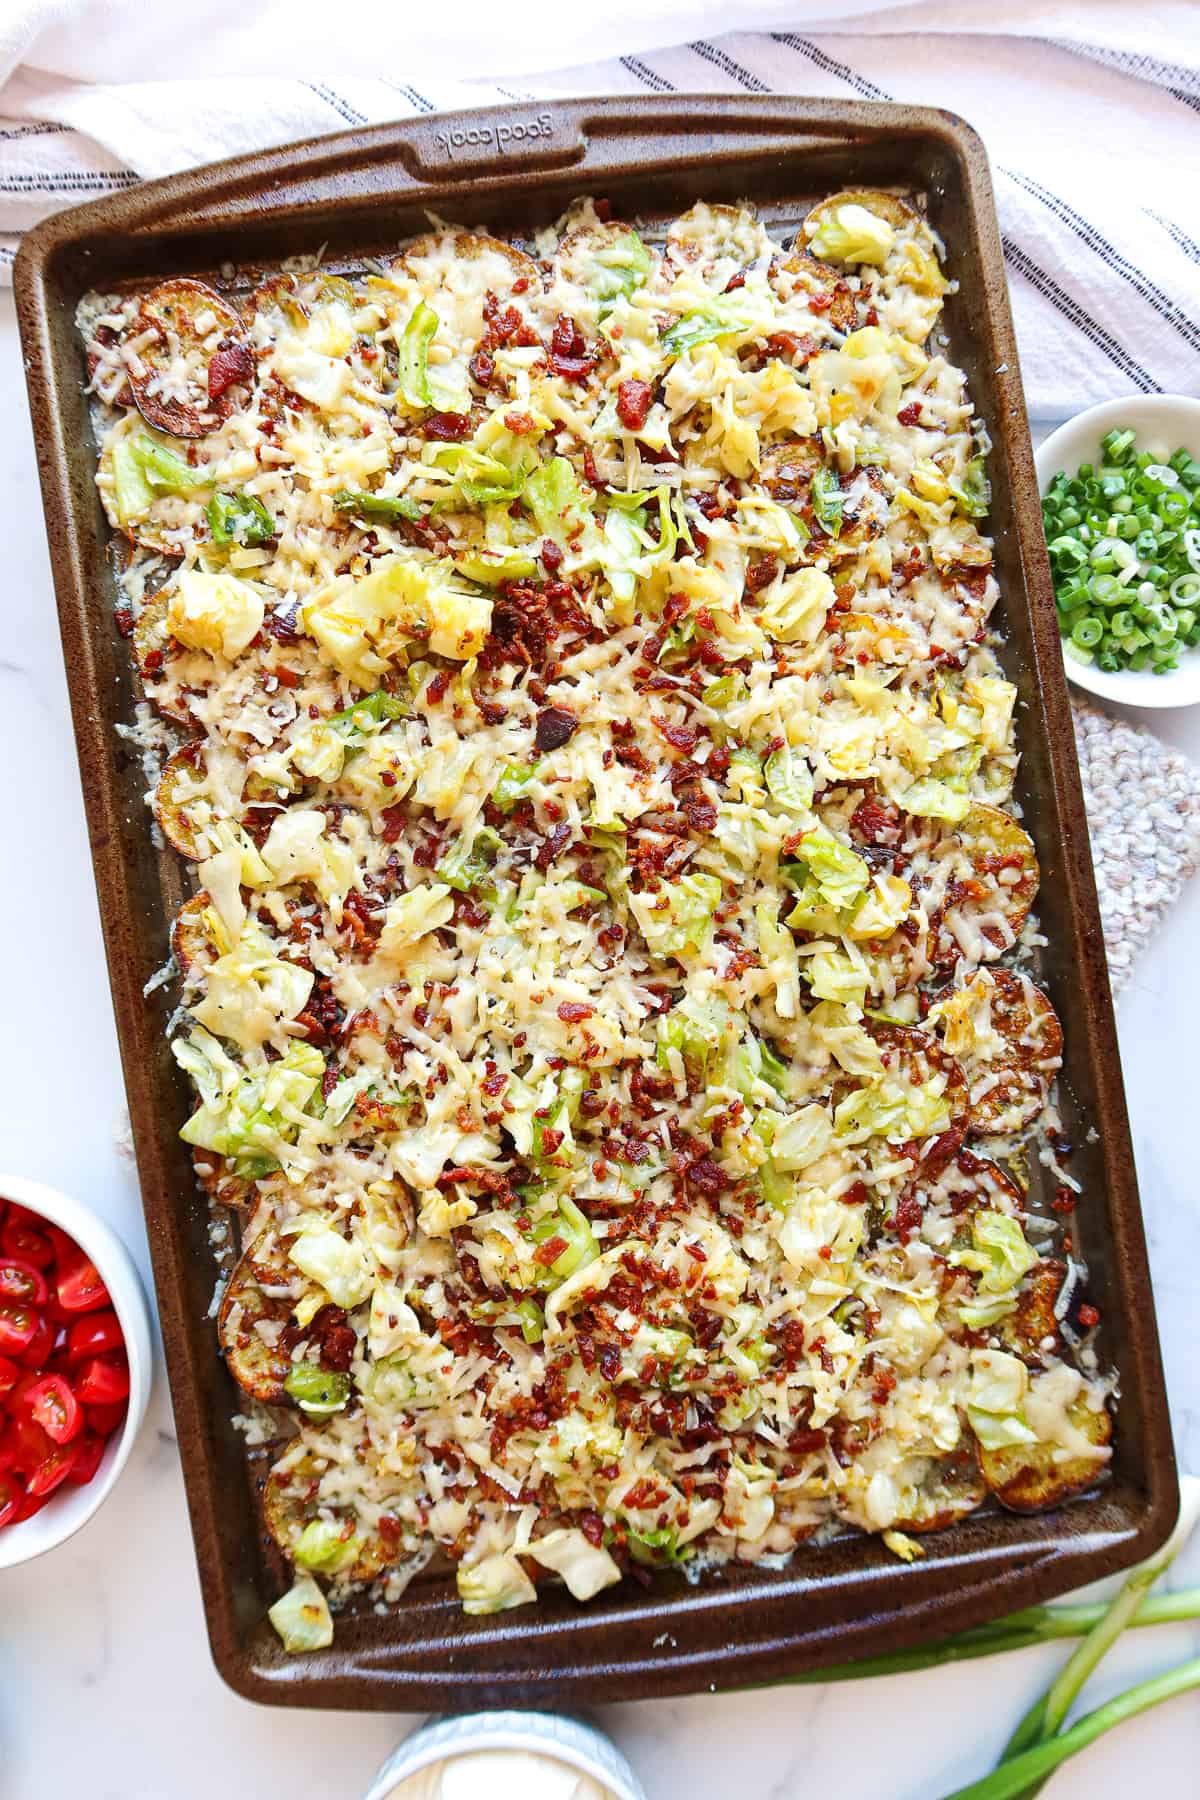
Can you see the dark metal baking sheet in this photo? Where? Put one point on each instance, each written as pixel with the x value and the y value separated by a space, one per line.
pixel 516 169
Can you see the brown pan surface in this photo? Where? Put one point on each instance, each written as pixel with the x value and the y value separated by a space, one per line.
pixel 514 170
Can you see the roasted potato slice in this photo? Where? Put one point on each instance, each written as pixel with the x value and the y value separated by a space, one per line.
pixel 1030 1478
pixel 184 378
pixel 1009 1078
pixel 223 1187
pixel 917 1057
pixel 951 1488
pixel 787 469
pixel 292 1499
pixel 983 905
pixel 194 935
pixel 258 1366
pixel 716 241
pixel 178 780
pixel 801 273
pixel 1032 1330
pixel 592 267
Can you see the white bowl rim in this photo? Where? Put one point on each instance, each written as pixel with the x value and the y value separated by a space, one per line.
pixel 1128 687
pixel 117 1267
pixel 435 1742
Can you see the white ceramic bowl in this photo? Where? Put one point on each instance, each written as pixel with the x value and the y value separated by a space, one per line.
pixel 1163 423
pixel 552 1735
pixel 71 1507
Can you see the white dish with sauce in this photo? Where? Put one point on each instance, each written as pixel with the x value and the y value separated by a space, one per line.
pixel 507 1756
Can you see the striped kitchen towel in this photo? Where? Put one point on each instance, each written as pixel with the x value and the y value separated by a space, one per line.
pixel 1090 118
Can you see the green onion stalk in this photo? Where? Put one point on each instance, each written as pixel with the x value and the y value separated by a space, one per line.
pixel 1040 1743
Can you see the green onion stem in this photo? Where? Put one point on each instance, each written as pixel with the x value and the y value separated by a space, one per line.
pixel 1036 1625
pixel 1013 1779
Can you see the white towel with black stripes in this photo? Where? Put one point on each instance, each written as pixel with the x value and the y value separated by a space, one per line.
pixel 1090 112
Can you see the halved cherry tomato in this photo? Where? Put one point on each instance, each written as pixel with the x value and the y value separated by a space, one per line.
pixel 19 1325
pixel 10 1374
pixel 52 1471
pixel 106 1419
pixel 23 1281
pixel 11 1495
pixel 79 1286
pixel 17 1238
pixel 31 1446
pixel 8 1449
pixel 54 1407
pixel 95 1335
pixel 30 1504
pixel 103 1381
pixel 40 1345
pixel 91 1447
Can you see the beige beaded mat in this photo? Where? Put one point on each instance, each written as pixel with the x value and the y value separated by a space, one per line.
pixel 1143 807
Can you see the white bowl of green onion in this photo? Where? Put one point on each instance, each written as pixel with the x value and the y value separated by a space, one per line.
pixel 1120 487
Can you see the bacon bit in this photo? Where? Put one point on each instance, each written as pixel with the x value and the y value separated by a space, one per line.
pixel 551 555
pixel 571 1012
pixel 482 367
pixel 123 620
pixel 554 728
pixel 909 1213
pixel 521 424
pixel 393 824
pixel 736 280
pixel 448 427
pixel 1064 1200
pixel 592 1527
pixel 701 815
pixel 287 678
pixel 856 1194
pixel 820 302
pixel 789 344
pixel 761 573
pixel 683 737
pixel 633 403
pixel 232 363
pixel 569 354
pixel 807 1439
pixel 438 687
pixel 335 1338
pixel 152 662
pixel 910 414
pixel 550 1251
pixel 1088 1316
pixel 708 1176
pixel 554 843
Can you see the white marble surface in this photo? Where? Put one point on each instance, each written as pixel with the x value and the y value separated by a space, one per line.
pixel 106 1687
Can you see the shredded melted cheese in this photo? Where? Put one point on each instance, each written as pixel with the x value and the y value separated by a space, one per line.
pixel 594 761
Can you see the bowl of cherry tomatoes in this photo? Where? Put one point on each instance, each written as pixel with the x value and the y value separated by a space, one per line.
pixel 75 1366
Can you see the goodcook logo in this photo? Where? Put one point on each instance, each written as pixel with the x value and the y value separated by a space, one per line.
pixel 504 138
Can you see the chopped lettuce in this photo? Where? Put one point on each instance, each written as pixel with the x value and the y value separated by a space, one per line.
pixel 302 1617
pixel 789 779
pixel 555 498
pixel 678 915
pixel 239 518
pixel 585 1567
pixel 326 1546
pixel 493 1585
pixel 376 506
pixel 826 496
pixel 337 1263
pixel 849 233
pixel 620 266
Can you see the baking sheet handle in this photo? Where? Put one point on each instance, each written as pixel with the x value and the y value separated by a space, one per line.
pixel 476 149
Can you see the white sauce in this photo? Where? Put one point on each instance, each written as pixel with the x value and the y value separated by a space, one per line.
pixel 501 1775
